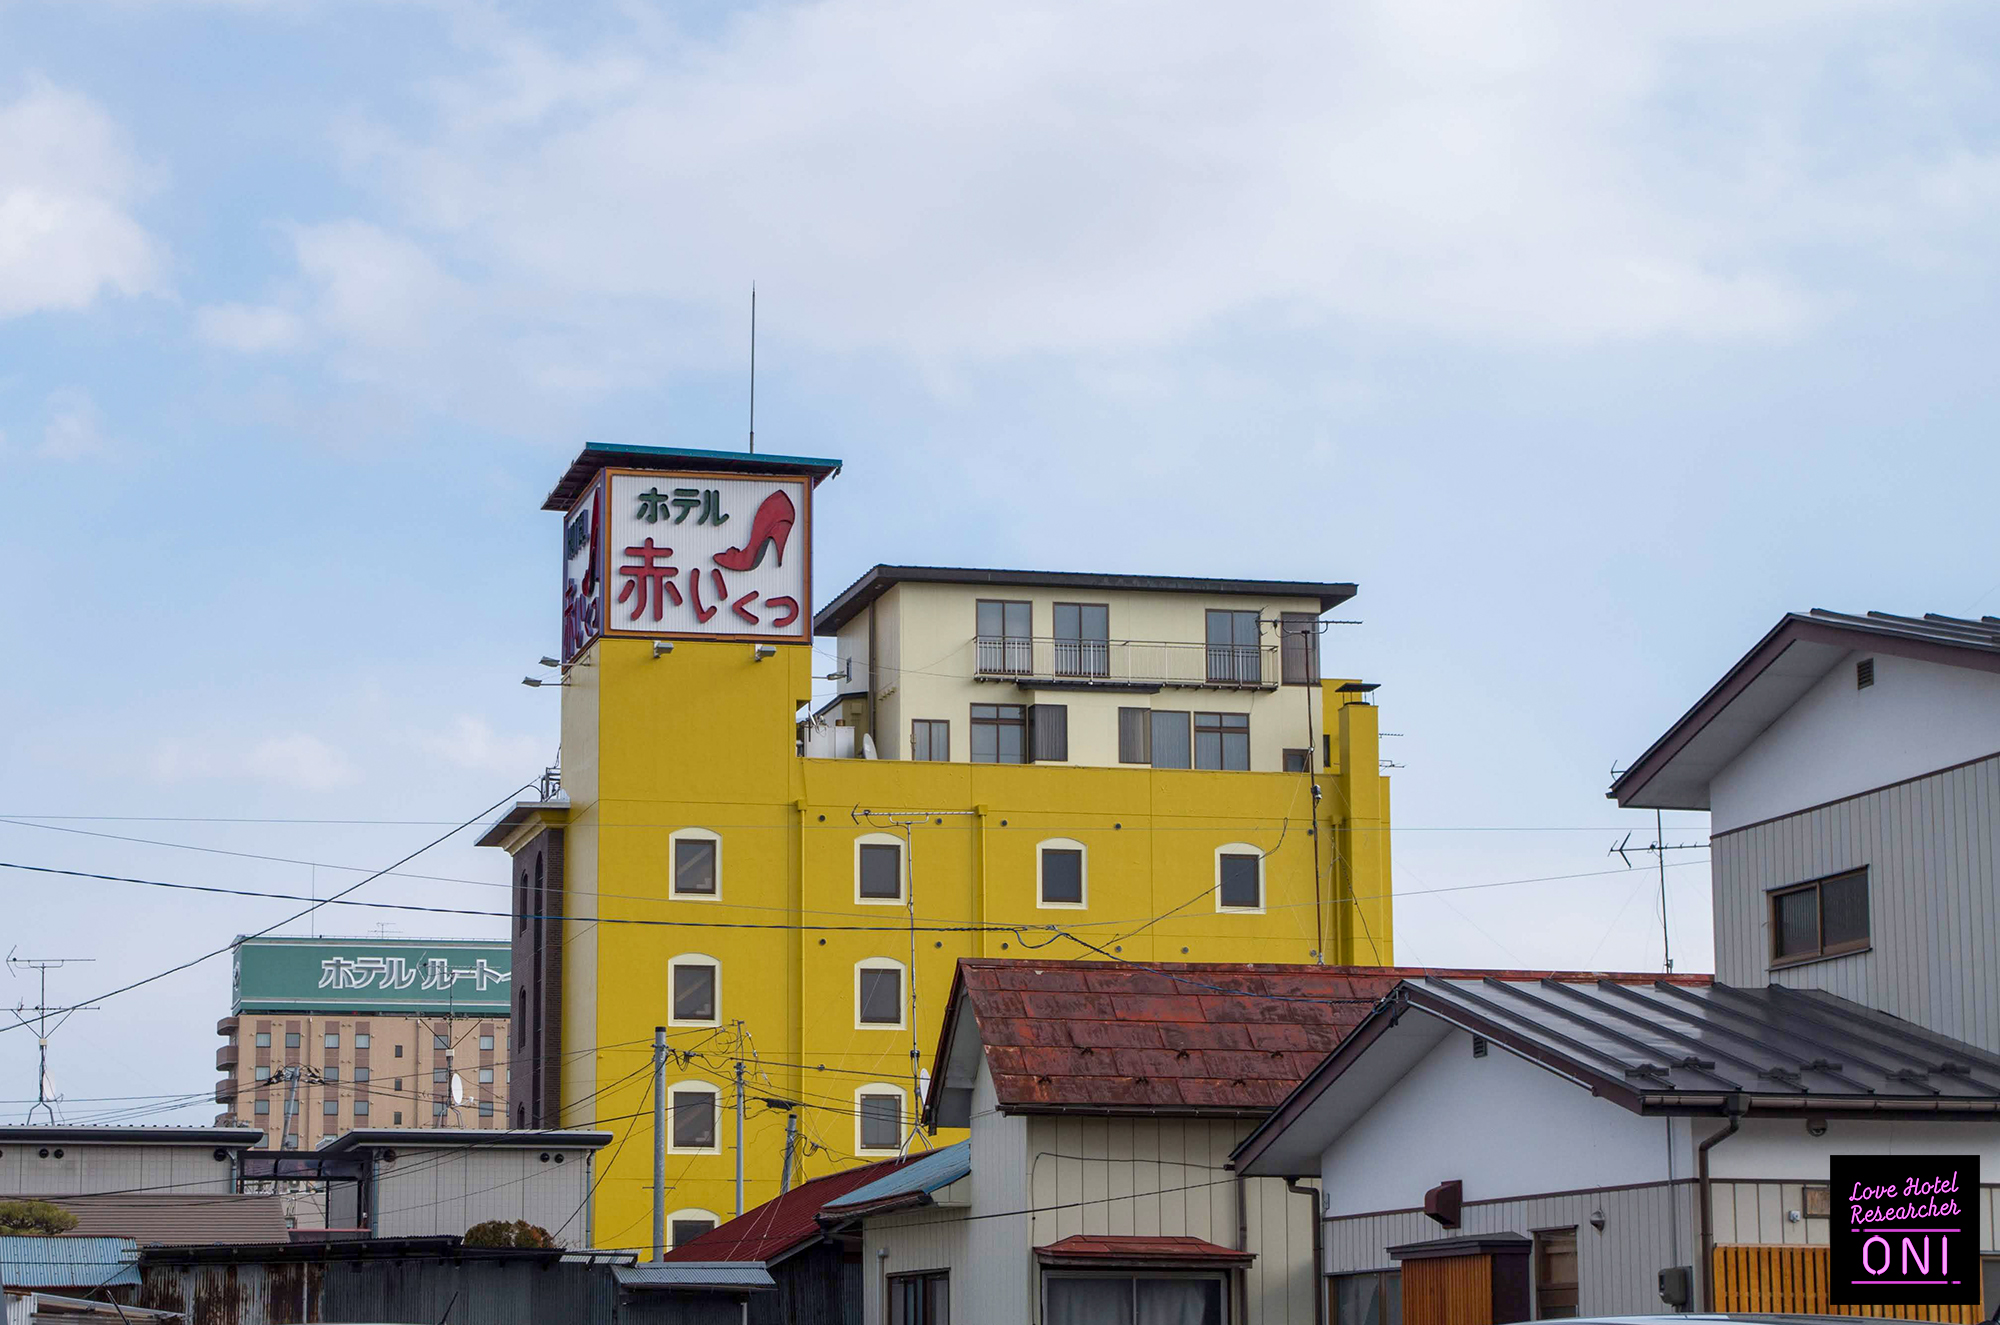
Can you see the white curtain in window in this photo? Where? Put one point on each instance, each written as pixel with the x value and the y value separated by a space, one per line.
pixel 1179 1302
pixel 1090 1302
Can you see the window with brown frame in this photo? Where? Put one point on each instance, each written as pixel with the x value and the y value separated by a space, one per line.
pixel 930 739
pixel 999 734
pixel 1083 639
pixel 1823 918
pixel 1005 632
pixel 1555 1274
pixel 1298 633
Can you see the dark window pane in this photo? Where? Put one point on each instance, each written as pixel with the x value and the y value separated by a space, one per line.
pixel 687 1230
pixel 881 870
pixel 694 1119
pixel 694 993
pixel 1179 1302
pixel 1298 761
pixel 881 1122
pixel 1062 874
pixel 1082 635
pixel 990 618
pixel 881 996
pixel 1299 638
pixel 1798 922
pixel 1239 880
pixel 1004 644
pixel 1049 724
pixel 1135 736
pixel 1018 621
pixel 930 739
pixel 998 733
pixel 694 866
pixel 1089 1301
pixel 1170 739
pixel 1222 740
pixel 1843 906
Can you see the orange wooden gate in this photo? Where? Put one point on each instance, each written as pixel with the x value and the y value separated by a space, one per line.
pixel 1777 1279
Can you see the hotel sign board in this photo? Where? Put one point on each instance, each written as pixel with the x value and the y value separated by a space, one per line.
pixel 429 977
pixel 687 555
pixel 1904 1230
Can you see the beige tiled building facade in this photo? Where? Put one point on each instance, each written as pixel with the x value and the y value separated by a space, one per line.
pixel 378 1045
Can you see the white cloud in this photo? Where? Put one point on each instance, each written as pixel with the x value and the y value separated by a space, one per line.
pixel 472 743
pixel 298 759
pixel 74 431
pixel 67 181
pixel 248 329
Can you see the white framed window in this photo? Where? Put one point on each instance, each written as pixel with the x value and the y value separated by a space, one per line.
pixel 694 990
pixel 881 994
pixel 694 864
pixel 693 1123
pixel 1239 878
pixel 687 1225
pixel 1062 873
pixel 878 1119
pixel 880 871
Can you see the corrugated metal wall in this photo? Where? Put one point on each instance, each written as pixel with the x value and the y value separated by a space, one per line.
pixel 470 1292
pixel 1617 1269
pixel 104 1168
pixel 431 1192
pixel 1934 910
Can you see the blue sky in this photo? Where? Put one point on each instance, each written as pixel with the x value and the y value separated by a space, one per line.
pixel 1587 339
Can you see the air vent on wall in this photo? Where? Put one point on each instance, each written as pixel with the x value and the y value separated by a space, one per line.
pixel 1864 674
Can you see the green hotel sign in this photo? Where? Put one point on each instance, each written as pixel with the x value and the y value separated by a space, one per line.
pixel 432 977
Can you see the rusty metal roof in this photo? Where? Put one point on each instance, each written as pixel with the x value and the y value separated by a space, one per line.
pixel 1109 1250
pixel 784 1224
pixel 1177 1037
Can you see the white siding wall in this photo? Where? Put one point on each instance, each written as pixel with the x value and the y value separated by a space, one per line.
pixel 428 1192
pixel 1934 908
pixel 1646 1229
pixel 87 1168
pixel 1838 741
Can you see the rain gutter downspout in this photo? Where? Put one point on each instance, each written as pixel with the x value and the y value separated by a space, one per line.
pixel 1242 1244
pixel 1319 1248
pixel 1734 1106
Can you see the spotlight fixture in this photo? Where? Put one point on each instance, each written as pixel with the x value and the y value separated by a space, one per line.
pixel 531 680
pixel 662 646
pixel 763 651
pixel 550 662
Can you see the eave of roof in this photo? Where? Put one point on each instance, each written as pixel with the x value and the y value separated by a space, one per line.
pixel 1952 641
pixel 1679 1049
pixel 228 1138
pixel 911 1184
pixel 878 580
pixel 620 455
pixel 464 1138
pixel 520 816
pixel 1101 1250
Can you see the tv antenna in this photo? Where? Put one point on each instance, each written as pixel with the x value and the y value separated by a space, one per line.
pixel 45 1099
pixel 1658 849
pixel 753 368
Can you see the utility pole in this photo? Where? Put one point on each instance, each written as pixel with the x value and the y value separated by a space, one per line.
pixel 739 1120
pixel 659 1142
pixel 44 1097
pixel 791 1150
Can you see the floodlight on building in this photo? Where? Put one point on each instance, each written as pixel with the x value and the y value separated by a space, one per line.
pixel 662 646
pixel 763 651
pixel 550 662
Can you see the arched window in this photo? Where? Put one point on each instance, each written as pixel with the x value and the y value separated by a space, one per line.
pixel 880 872
pixel 694 860
pixel 1239 878
pixel 880 1112
pixel 693 1124
pixel 1062 876
pixel 694 990
pixel 687 1225
pixel 881 994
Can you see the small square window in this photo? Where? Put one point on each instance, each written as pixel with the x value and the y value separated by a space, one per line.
pixel 261 1072
pixel 398 1116
pixel 440 1042
pixel 263 1039
pixel 291 1039
pixel 330 1108
pixel 440 1077
pixel 1238 884
pixel 398 1053
pixel 881 996
pixel 332 1040
pixel 930 739
pixel 361 1040
pixel 881 870
pixel 1062 876
pixel 486 1075
pixel 486 1108
pixel 694 866
pixel 361 1108
pixel 360 1074
pixel 999 733
pixel 1824 918
pixel 486 1043
pixel 398 1087
pixel 694 991
pixel 1222 741
pixel 331 1074
pixel 437 1109
pixel 1298 761
pixel 687 1230
pixel 261 1107
pixel 694 1119
pixel 881 1121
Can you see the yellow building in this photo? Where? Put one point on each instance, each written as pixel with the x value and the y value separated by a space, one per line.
pixel 1053 765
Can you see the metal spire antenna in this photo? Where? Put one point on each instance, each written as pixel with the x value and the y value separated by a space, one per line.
pixel 1658 848
pixel 45 1099
pixel 753 368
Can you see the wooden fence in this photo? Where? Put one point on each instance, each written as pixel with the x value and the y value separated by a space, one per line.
pixel 1794 1279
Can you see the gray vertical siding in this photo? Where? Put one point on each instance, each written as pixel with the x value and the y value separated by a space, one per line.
pixel 1617 1269
pixel 1934 908
pixel 89 1167
pixel 425 1193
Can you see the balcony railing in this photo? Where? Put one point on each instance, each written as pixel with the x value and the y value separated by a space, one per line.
pixel 1128 662
pixel 225 1058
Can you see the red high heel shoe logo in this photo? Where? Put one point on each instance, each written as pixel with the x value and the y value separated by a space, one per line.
pixel 769 531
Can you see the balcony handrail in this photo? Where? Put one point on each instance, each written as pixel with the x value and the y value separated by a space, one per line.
pixel 1163 662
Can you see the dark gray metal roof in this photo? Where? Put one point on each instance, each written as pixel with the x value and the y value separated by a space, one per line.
pixel 623 455
pixel 879 580
pixel 465 1138
pixel 695 1276
pixel 231 1138
pixel 1682 1048
pixel 1674 773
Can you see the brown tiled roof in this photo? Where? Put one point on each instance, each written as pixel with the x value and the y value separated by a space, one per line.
pixel 177 1219
pixel 1169 1037
pixel 1120 1249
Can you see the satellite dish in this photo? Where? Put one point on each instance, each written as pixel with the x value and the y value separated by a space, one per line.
pixel 457 1089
